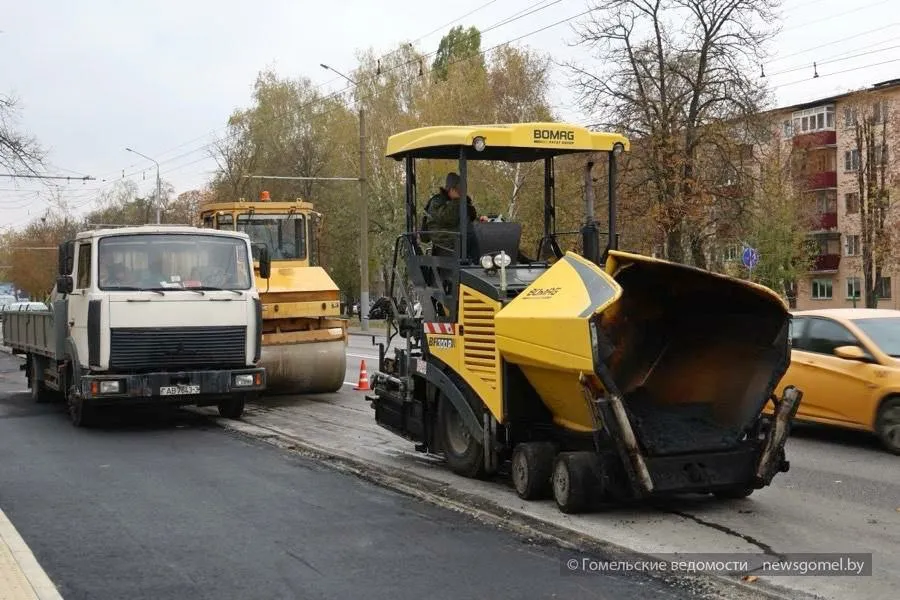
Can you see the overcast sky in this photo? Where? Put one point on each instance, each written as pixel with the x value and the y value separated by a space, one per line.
pixel 95 76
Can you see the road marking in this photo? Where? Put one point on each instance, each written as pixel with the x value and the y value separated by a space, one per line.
pixel 362 356
pixel 21 576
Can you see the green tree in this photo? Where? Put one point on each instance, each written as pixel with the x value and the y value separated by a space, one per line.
pixel 458 44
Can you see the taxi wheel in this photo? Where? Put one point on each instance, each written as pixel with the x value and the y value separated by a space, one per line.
pixel 887 425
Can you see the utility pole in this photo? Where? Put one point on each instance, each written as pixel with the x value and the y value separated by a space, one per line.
pixel 363 226
pixel 363 213
pixel 158 192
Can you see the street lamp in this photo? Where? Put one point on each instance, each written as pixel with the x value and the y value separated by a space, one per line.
pixel 158 194
pixel 363 214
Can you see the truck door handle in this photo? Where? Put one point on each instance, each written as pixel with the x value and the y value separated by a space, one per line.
pixel 72 323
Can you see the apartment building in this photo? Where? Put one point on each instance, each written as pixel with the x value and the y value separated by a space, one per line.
pixel 824 131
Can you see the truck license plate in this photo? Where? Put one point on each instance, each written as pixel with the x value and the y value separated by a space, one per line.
pixel 179 390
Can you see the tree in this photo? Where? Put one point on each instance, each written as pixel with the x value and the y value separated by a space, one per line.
pixel 779 219
pixel 19 153
pixel 121 205
pixel 458 44
pixel 673 70
pixel 32 253
pixel 868 156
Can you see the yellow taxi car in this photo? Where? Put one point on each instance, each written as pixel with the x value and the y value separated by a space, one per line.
pixel 847 362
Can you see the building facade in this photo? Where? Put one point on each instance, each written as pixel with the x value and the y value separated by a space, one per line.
pixel 825 133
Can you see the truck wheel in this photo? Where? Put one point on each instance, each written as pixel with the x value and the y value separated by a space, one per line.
pixel 735 493
pixel 231 408
pixel 39 391
pixel 532 468
pixel 887 425
pixel 81 413
pixel 464 454
pixel 571 481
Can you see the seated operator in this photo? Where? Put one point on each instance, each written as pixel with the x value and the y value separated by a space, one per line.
pixel 442 217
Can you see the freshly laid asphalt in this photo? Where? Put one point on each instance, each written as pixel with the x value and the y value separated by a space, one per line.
pixel 167 505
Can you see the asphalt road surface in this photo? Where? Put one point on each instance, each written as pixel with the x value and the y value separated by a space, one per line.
pixel 842 494
pixel 167 505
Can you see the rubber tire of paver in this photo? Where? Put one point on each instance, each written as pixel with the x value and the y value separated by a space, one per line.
pixel 468 462
pixel 232 407
pixel 532 469
pixel 888 407
pixel 572 481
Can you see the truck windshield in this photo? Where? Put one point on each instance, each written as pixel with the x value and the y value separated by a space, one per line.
pixel 178 261
pixel 285 235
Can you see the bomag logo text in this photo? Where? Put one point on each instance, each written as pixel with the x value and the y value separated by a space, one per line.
pixel 554 136
pixel 542 293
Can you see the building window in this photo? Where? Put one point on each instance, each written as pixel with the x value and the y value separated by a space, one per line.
pixel 826 201
pixel 786 129
pixel 879 111
pixel 851 203
pixel 883 288
pixel 851 160
pixel 821 289
pixel 853 287
pixel 879 152
pixel 813 119
pixel 851 245
pixel 850 116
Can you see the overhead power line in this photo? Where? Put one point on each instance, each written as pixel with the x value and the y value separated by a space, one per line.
pixel 519 15
pixel 821 75
pixel 65 177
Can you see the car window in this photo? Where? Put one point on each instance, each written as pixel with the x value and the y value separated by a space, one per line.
pixel 798 327
pixel 884 332
pixel 825 335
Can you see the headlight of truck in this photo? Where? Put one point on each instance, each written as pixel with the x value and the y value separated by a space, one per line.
pixel 244 380
pixel 110 387
pixel 487 262
pixel 502 260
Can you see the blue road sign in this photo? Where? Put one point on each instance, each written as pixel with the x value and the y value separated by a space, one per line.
pixel 750 257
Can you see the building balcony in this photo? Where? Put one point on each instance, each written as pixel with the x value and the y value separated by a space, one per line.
pixel 824 221
pixel 816 139
pixel 826 263
pixel 820 180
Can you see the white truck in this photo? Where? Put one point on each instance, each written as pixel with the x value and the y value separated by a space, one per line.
pixel 147 314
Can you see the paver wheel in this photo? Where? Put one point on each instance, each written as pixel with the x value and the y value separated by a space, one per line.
pixel 464 453
pixel 532 468
pixel 571 481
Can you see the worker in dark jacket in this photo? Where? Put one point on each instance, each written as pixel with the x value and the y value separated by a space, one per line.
pixel 442 215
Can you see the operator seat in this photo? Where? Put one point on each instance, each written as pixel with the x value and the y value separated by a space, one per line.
pixel 494 236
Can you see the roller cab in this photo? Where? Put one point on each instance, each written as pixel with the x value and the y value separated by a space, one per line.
pixel 304 338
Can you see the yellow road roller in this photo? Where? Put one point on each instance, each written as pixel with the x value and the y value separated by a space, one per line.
pixel 304 338
pixel 596 377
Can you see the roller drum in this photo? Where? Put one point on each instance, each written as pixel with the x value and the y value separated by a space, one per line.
pixel 311 368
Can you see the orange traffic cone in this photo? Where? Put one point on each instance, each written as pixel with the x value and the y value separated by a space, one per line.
pixel 363 378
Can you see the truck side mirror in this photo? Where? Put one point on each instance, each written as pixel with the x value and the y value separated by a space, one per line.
pixel 66 258
pixel 64 284
pixel 265 262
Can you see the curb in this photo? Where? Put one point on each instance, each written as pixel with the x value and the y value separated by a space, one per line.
pixel 536 530
pixel 39 583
